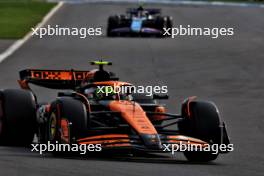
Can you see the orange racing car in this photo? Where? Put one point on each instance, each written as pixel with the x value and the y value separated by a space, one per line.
pixel 91 114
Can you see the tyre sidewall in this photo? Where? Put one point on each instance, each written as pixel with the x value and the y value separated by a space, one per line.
pixel 19 119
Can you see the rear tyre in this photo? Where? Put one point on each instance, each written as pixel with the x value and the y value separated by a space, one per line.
pixel 17 117
pixel 113 22
pixel 202 122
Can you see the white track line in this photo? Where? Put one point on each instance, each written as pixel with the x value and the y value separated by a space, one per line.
pixel 20 42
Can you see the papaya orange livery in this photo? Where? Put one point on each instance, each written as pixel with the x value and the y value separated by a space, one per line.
pixel 134 115
pixel 89 114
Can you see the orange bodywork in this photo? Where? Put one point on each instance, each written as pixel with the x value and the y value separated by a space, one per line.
pixel 65 130
pixel 134 115
pixel 124 140
pixel 106 136
pixel 107 141
pixel 181 138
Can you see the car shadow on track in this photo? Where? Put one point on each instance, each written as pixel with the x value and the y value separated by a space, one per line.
pixel 142 158
pixel 116 157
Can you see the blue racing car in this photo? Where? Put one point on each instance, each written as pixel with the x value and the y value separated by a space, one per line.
pixel 139 22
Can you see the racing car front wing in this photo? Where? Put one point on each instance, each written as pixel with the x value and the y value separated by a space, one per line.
pixel 134 142
pixel 144 30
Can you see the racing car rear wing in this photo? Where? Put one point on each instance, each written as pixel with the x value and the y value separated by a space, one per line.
pixel 54 79
pixel 150 11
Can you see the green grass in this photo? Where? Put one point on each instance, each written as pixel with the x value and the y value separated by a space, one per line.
pixel 18 16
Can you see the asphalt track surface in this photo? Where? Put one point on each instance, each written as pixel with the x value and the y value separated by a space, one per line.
pixel 228 70
pixel 4 44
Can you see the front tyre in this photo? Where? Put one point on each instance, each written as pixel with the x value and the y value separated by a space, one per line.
pixel 200 156
pixel 169 22
pixel 202 121
pixel 168 25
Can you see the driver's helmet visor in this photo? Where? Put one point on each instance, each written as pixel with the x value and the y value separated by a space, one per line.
pixel 109 92
pixel 105 93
